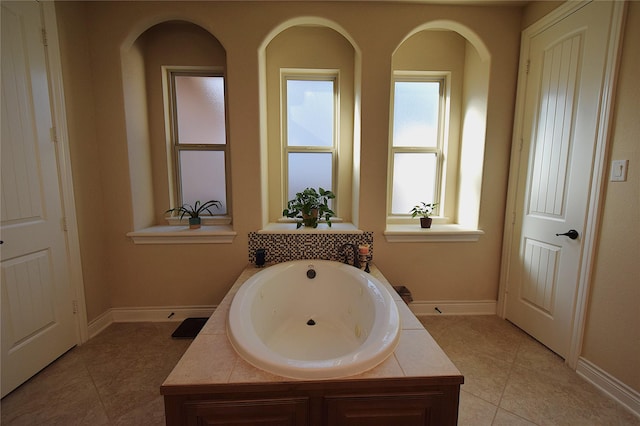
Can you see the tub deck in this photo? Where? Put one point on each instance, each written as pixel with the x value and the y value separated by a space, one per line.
pixel 212 384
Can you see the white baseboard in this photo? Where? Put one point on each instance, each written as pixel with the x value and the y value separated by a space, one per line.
pixel 147 314
pixel 159 314
pixel 454 307
pixel 608 384
pixel 97 325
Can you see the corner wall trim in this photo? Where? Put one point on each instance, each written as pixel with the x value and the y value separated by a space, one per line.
pixel 608 384
pixel 454 307
pixel 147 314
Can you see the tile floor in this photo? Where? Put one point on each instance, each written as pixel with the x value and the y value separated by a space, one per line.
pixel 511 379
pixel 114 379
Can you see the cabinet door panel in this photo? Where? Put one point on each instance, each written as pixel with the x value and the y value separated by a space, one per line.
pixel 264 412
pixel 385 410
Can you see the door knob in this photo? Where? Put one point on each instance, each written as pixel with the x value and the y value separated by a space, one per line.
pixel 572 233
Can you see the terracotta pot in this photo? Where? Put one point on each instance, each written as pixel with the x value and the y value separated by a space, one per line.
pixel 425 222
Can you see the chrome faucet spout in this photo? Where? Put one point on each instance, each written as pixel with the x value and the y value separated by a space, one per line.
pixel 354 250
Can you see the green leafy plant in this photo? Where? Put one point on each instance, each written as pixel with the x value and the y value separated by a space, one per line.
pixel 423 209
pixel 196 210
pixel 309 206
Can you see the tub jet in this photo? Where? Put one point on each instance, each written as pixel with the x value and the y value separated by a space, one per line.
pixel 311 322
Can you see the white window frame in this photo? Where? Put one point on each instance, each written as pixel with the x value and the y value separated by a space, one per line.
pixel 310 75
pixel 442 211
pixel 174 148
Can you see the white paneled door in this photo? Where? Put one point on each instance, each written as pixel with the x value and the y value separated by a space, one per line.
pixel 37 311
pixel 565 66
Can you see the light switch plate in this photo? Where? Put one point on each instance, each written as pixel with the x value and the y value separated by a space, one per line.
pixel 619 170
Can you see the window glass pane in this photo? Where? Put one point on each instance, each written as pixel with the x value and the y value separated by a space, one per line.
pixel 202 177
pixel 415 113
pixel 414 180
pixel 310 113
pixel 309 170
pixel 200 110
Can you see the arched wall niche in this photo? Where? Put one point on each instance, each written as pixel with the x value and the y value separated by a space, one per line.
pixel 463 30
pixel 147 22
pixel 450 46
pixel 151 46
pixel 340 52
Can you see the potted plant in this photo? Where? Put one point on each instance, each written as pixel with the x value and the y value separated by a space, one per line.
pixel 424 210
pixel 309 206
pixel 195 211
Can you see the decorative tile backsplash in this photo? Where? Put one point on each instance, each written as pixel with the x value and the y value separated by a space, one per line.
pixel 284 247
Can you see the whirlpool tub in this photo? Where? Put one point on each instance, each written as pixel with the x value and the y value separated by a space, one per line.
pixel 313 319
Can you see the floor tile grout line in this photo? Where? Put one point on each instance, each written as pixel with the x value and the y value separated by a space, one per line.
pixel 110 415
pixel 506 383
pixel 511 363
pixel 482 399
pixel 95 387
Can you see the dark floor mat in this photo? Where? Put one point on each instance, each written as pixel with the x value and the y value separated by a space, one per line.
pixel 189 328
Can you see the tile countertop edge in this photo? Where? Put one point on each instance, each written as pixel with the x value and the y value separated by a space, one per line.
pixel 418 358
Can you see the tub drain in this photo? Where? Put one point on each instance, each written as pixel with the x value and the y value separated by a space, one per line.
pixel 311 322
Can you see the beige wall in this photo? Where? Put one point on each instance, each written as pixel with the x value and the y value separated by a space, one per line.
pixel 118 273
pixel 537 9
pixel 85 154
pixel 129 275
pixel 612 338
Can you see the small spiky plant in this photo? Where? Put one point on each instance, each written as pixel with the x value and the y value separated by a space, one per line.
pixel 196 210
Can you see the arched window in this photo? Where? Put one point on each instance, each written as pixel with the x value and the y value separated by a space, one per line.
pixel 175 110
pixel 308 116
pixel 439 87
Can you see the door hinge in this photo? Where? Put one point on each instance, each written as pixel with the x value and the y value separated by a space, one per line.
pixel 45 42
pixel 53 134
pixel 74 305
pixel 63 224
pixel 528 66
pixel 513 218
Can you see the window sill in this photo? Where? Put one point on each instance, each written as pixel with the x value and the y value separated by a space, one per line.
pixel 323 228
pixel 207 234
pixel 437 233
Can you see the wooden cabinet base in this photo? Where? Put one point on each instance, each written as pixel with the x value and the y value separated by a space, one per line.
pixel 392 402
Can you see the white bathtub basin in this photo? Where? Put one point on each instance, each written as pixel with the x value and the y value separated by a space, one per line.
pixel 340 323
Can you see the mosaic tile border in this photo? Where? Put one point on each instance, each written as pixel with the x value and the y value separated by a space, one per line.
pixel 284 247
